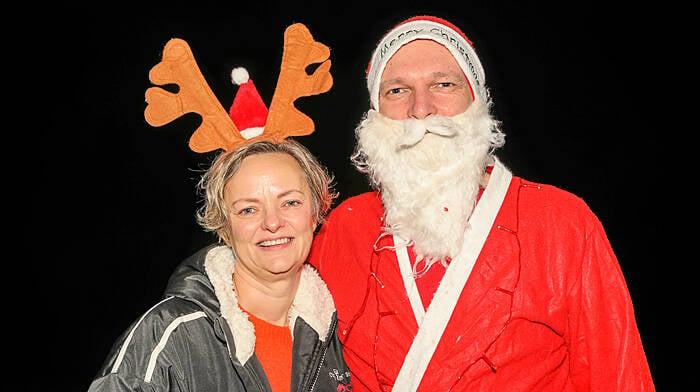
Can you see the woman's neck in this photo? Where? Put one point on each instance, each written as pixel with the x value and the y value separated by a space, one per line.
pixel 269 301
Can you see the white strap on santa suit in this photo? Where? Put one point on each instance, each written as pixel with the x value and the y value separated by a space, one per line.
pixel 435 320
pixel 409 281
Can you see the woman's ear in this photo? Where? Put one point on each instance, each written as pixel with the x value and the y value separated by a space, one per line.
pixel 224 237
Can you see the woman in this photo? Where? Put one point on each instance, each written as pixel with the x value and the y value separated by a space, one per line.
pixel 249 315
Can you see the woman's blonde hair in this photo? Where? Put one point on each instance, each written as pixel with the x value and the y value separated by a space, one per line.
pixel 212 216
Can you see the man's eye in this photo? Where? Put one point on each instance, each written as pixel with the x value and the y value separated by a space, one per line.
pixel 393 91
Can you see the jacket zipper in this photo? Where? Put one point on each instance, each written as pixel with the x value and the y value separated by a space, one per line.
pixel 318 369
pixel 323 356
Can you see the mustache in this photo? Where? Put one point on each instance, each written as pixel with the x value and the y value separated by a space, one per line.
pixel 415 129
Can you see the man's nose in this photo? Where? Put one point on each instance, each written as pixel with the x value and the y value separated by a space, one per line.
pixel 421 104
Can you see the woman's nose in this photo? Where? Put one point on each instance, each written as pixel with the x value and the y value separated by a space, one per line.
pixel 272 221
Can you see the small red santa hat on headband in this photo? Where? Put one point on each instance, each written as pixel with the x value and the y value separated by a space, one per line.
pixel 248 111
pixel 433 28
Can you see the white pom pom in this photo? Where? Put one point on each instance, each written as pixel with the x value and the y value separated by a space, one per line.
pixel 239 75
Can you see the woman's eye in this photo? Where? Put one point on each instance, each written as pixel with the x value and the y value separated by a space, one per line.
pixel 292 203
pixel 246 211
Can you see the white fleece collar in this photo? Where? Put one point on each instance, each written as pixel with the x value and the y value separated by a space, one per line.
pixel 313 302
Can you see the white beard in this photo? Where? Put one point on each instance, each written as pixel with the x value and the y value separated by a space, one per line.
pixel 429 182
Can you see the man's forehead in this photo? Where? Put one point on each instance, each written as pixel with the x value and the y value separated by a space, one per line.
pixel 428 55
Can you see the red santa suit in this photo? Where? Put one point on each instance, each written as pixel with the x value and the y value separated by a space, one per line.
pixel 535 301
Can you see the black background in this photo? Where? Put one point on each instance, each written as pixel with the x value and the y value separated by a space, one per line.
pixel 105 202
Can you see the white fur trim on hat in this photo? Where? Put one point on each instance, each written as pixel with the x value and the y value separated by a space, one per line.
pixel 427 28
pixel 250 133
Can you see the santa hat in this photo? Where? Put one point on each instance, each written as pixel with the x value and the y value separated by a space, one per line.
pixel 433 28
pixel 248 111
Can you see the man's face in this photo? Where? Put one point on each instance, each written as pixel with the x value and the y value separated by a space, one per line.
pixel 422 79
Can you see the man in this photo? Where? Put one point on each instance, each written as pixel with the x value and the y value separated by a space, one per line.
pixel 455 275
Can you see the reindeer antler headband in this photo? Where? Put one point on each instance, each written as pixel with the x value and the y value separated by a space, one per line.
pixel 218 130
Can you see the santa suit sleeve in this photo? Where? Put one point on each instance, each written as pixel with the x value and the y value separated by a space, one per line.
pixel 606 348
pixel 343 248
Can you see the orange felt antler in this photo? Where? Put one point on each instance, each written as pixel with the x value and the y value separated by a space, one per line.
pixel 179 67
pixel 300 51
pixel 217 130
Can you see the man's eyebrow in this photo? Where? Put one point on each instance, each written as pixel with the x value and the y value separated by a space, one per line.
pixel 400 80
pixel 397 80
pixel 441 74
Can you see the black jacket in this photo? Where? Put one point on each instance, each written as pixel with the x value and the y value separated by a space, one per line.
pixel 198 339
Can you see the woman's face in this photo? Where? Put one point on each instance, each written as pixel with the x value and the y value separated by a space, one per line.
pixel 271 216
